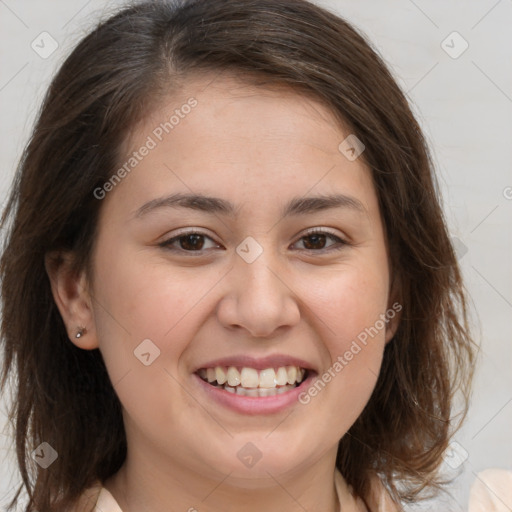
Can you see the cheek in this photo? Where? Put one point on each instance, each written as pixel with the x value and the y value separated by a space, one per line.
pixel 349 307
pixel 142 298
pixel 143 320
pixel 349 301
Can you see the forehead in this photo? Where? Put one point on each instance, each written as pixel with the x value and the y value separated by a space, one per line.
pixel 222 133
pixel 230 107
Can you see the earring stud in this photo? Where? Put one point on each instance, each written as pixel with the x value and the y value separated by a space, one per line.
pixel 80 333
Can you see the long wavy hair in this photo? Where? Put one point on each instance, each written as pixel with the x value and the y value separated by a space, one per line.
pixel 62 394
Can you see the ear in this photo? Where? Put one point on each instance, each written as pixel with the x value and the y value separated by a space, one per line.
pixel 395 307
pixel 71 295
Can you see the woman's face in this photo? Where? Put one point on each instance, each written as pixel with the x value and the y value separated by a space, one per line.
pixel 220 256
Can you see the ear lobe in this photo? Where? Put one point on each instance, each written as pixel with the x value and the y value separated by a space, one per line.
pixel 70 292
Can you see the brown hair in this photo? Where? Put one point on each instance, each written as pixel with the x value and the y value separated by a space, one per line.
pixel 62 394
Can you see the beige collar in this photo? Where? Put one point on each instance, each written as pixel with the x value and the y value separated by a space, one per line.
pixel 379 500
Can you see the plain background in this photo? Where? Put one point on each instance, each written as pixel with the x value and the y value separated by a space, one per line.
pixel 465 107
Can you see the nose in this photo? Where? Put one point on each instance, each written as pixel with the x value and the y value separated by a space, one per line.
pixel 258 298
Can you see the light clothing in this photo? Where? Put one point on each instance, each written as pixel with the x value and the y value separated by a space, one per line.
pixel 491 492
pixel 99 499
pixel 379 499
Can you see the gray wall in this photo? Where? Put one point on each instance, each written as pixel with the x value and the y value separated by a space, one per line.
pixel 465 106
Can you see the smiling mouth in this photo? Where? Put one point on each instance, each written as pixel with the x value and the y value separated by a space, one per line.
pixel 250 382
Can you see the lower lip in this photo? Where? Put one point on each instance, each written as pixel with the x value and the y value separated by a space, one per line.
pixel 253 404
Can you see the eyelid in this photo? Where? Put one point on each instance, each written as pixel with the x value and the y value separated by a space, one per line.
pixel 342 240
pixel 188 231
pixel 323 230
pixel 166 244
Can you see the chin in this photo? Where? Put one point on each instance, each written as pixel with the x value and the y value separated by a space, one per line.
pixel 252 460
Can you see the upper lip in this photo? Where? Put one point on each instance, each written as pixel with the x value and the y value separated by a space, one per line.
pixel 258 363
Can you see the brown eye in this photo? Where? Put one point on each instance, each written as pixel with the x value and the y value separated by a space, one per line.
pixel 193 242
pixel 317 241
pixel 189 242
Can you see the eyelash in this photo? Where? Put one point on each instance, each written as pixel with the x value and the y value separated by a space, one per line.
pixel 167 244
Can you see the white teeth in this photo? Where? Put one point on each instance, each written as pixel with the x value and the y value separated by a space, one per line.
pixel 251 382
pixel 267 392
pixel 281 376
pixel 247 392
pixel 262 392
pixel 292 374
pixel 250 378
pixel 268 378
pixel 233 376
pixel 210 374
pixel 220 375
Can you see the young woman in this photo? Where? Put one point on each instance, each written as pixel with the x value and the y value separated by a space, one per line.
pixel 227 281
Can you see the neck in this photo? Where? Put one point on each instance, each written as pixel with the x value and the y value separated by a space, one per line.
pixel 143 485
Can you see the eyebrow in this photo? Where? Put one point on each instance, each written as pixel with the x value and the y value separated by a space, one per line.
pixel 215 205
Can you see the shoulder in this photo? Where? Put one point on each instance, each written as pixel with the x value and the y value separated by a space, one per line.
pixel 491 491
pixel 379 499
pixel 89 498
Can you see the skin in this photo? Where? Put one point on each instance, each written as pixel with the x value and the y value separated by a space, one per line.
pixel 257 148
